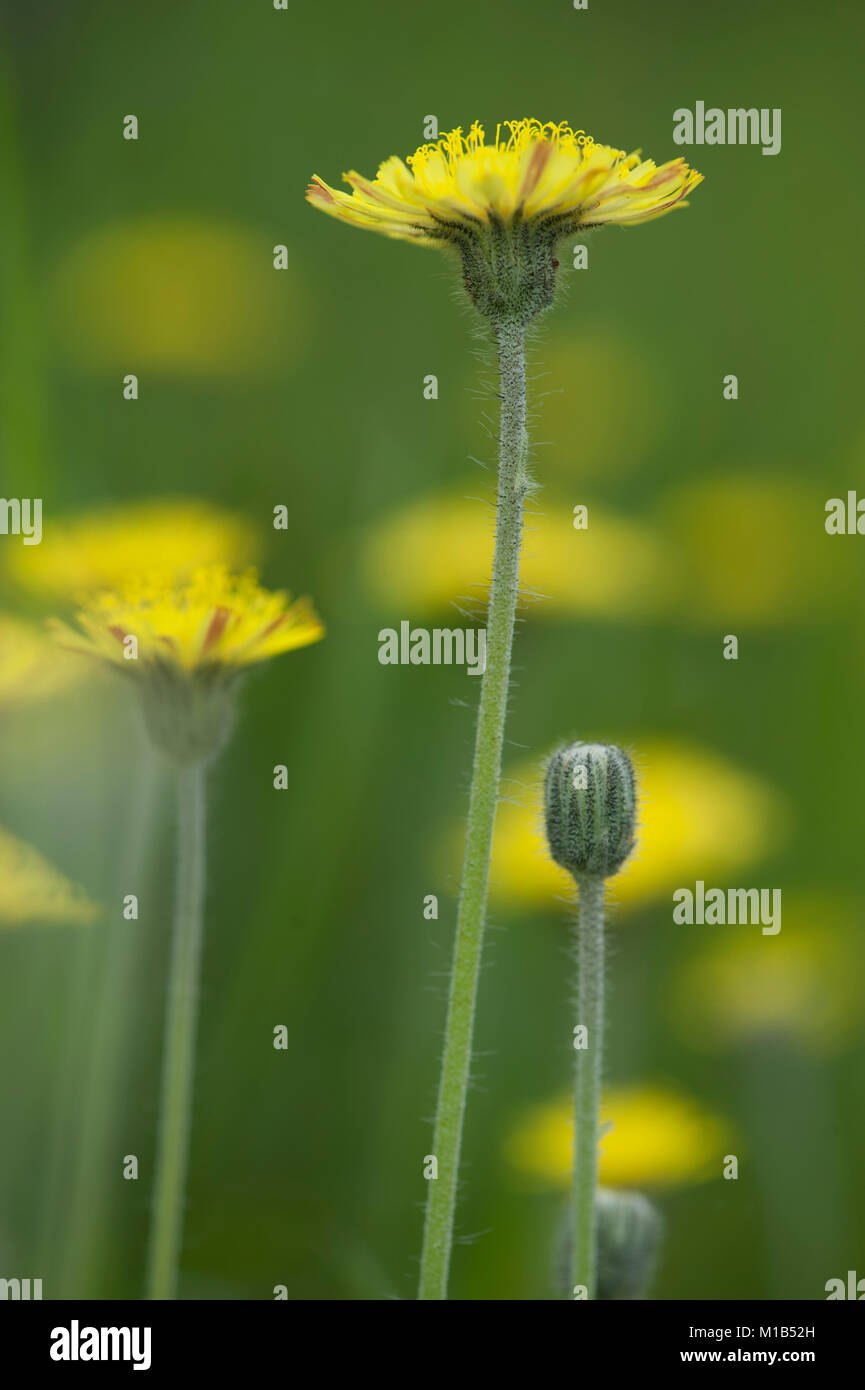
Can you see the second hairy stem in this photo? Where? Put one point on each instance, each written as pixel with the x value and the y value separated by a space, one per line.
pixel 590 1005
pixel 483 798
pixel 178 1064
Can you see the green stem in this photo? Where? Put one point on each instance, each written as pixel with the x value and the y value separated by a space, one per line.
pixel 89 1239
pixel 590 1005
pixel 178 1063
pixel 483 797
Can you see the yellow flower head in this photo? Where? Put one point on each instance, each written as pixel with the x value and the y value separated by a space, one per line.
pixel 530 173
pixel 32 890
pixel 655 1137
pixel 186 644
pixel 215 621
pixel 176 294
pixel 807 988
pixel 438 548
pixel 29 669
pixel 168 537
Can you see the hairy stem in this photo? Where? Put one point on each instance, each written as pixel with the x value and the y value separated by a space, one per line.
pixel 590 1005
pixel 178 1064
pixel 483 797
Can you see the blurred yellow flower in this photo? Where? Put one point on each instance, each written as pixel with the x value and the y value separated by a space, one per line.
pixel 747 550
pixel 699 816
pixel 716 552
pixel 215 621
pixel 805 984
pixel 579 377
pixel 657 1138
pixel 32 890
pixel 438 550
pixel 166 537
pixel 30 668
pixel 185 646
pixel 175 294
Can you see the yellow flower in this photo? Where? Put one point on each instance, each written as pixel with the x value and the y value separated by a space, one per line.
pixel 29 665
pixel 744 548
pixel 657 1138
pixel 589 424
pixel 438 550
pixel 805 984
pixel 531 173
pixel 31 890
pixel 215 620
pixel 699 816
pixel 176 294
pixel 185 646
pixel 166 537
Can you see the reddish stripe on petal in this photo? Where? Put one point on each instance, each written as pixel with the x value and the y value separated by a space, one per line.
pixel 672 171
pixel 537 164
pixel 218 624
pixel 319 193
pixel 377 195
pixel 272 626
pixel 118 633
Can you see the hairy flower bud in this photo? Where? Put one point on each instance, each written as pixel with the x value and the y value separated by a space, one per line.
pixel 629 1232
pixel 590 809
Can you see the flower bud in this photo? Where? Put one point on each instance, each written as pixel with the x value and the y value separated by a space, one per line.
pixel 629 1232
pixel 590 809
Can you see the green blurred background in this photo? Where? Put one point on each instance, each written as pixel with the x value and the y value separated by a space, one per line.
pixel 303 387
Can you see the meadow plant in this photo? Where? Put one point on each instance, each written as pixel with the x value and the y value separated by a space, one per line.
pixel 501 207
pixel 185 648
pixel 590 812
